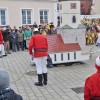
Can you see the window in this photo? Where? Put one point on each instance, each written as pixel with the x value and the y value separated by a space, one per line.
pixel 27 16
pixel 61 57
pixel 55 59
pixel 58 6
pixel 43 16
pixel 58 19
pixel 73 19
pixel 3 17
pixel 74 55
pixel 73 5
pixel 68 56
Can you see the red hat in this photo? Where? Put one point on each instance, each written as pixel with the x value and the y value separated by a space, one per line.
pixel 97 63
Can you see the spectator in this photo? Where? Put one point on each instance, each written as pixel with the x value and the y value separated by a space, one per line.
pixel 10 30
pixel 2 51
pixel 6 93
pixel 35 25
pixel 92 84
pixel 15 29
pixel 98 40
pixel 40 28
pixel 24 41
pixel 44 25
pixel 27 34
pixel 51 27
pixel 43 32
pixel 8 27
pixel 6 34
pixel 48 29
pixel 13 37
pixel 20 38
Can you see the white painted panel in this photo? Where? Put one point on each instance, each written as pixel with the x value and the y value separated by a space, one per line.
pixel 71 56
pixel 58 57
pixel 79 57
pixel 65 56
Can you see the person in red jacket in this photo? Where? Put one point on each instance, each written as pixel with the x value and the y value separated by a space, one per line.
pixel 39 44
pixel 92 84
pixel 2 51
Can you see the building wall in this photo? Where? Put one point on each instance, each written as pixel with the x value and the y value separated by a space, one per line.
pixel 74 56
pixel 96 7
pixel 67 13
pixel 14 10
pixel 73 36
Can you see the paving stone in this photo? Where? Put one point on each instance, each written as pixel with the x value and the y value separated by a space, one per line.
pixel 60 79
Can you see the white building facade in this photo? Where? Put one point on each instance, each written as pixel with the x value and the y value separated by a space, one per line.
pixel 26 12
pixel 96 7
pixel 69 13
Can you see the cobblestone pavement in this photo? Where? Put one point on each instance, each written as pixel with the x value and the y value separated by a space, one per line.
pixel 61 79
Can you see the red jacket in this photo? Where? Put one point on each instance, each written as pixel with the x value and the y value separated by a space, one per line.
pixel 92 85
pixel 39 43
pixel 1 37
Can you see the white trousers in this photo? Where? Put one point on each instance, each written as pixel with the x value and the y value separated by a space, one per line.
pixel 41 65
pixel 2 51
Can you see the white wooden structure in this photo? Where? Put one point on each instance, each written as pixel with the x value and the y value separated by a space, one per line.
pixel 66 57
pixel 69 13
pixel 73 35
pixel 61 52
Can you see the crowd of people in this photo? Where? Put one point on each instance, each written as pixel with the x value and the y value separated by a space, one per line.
pixel 92 31
pixel 92 34
pixel 17 39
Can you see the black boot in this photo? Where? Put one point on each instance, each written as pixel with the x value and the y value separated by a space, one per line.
pixel 45 78
pixel 40 78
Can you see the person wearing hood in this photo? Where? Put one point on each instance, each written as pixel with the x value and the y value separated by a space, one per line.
pixel 38 42
pixel 6 93
pixel 92 84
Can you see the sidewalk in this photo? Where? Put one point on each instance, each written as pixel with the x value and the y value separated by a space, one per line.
pixel 61 79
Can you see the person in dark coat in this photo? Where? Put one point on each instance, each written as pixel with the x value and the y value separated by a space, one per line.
pixel 13 37
pixel 6 93
pixel 20 34
pixel 35 25
pixel 6 38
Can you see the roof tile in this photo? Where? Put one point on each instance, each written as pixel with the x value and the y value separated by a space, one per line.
pixel 56 44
